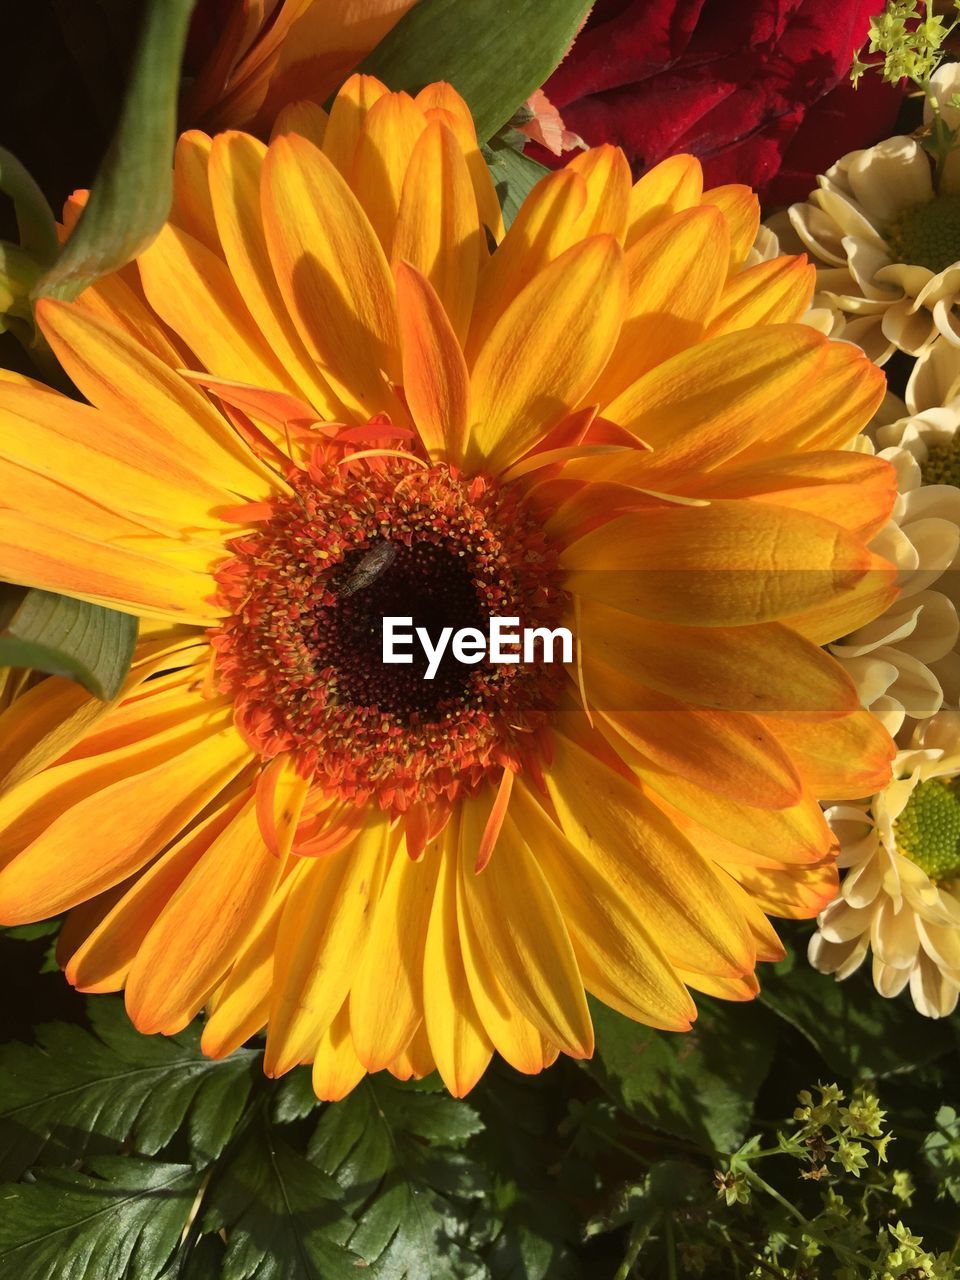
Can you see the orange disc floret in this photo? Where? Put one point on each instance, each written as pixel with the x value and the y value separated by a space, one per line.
pixel 300 653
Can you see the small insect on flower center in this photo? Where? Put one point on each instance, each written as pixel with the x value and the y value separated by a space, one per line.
pixel 928 830
pixel 301 653
pixel 928 234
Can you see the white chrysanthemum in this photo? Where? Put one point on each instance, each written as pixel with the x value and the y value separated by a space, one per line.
pixel 905 663
pixel 885 233
pixel 899 896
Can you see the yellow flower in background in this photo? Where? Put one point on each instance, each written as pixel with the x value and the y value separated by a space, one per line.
pixel 256 56
pixel 333 389
pixel 900 897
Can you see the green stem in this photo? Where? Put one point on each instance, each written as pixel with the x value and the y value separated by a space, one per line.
pixel 638 1239
pixel 838 1250
pixel 671 1248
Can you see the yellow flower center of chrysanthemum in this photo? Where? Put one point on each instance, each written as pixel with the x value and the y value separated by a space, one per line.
pixel 942 463
pixel 928 235
pixel 928 830
pixel 302 653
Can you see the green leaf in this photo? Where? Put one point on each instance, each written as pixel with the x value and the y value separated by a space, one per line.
pixel 38 230
pixel 699 1085
pixel 120 1221
pixel 131 197
pixel 514 176
pixel 395 1151
pixel 525 1148
pixel 494 54
pixel 857 1032
pixel 281 1215
pixel 78 1091
pixel 66 637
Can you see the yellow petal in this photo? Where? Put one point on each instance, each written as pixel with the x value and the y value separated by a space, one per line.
pixel 674 276
pixel 727 564
pixel 776 292
pixel 388 136
pixel 349 110
pixel 118 375
pixel 333 273
pixel 321 940
pixel 305 118
pixel 669 187
pixel 242 1003
pixel 386 998
pixel 336 1068
pixel 438 227
pixel 545 352
pixel 458 1042
pixel 529 949
pixel 764 669
pixel 102 959
pixel 621 962
pixel 236 170
pixel 435 378
pixel 192 210
pixel 606 172
pixel 741 209
pixel 192 290
pixel 202 927
pixel 637 850
pixel 79 828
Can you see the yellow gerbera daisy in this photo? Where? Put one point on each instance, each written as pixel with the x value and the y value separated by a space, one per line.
pixel 600 419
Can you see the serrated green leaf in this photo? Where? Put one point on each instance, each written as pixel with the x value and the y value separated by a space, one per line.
pixel 120 1221
pixel 281 1214
pixel 78 1091
pixel 700 1085
pixel 394 1150
pixel 131 196
pixel 293 1097
pixel 857 1032
pixel 66 637
pixel 514 176
pixel 495 55
pixel 534 1212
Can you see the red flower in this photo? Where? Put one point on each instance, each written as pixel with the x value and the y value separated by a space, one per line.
pixel 758 89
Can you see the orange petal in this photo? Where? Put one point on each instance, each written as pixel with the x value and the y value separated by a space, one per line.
pixel 202 927
pixel 637 849
pixel 841 759
pixel 764 669
pixel 236 170
pixel 545 352
pixel 620 960
pixel 388 136
pixel 669 187
pixel 333 273
pixel 776 292
pixel 438 227
pixel 726 564
pixel 435 378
